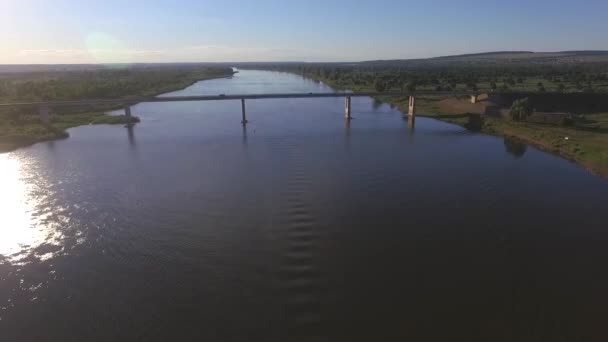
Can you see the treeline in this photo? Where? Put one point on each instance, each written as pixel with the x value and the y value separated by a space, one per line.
pixel 588 77
pixel 101 84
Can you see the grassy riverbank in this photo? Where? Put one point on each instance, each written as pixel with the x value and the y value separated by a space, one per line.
pixel 21 127
pixel 30 131
pixel 586 147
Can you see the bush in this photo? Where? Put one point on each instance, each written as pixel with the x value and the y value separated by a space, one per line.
pixel 521 109
pixel 379 85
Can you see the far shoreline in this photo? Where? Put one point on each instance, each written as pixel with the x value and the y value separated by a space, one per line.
pixel 58 130
pixel 105 117
pixel 498 128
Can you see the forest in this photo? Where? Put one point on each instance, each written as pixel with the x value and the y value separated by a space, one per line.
pixel 587 77
pixel 101 84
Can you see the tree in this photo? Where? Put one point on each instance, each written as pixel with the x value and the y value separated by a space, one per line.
pixel 521 109
pixel 561 87
pixel 541 87
pixel 411 86
pixel 379 85
pixel 390 83
pixel 493 85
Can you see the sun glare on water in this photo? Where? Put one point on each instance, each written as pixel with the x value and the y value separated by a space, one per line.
pixel 19 230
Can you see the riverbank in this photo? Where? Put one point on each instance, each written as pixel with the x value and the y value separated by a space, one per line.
pixel 14 136
pixel 587 148
pixel 21 128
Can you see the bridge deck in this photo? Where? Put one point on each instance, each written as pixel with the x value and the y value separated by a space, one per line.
pixel 131 101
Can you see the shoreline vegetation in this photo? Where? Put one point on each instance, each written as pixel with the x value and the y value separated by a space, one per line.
pixel 586 145
pixel 583 141
pixel 587 148
pixel 21 127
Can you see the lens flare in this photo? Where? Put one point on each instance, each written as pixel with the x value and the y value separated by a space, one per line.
pixel 105 49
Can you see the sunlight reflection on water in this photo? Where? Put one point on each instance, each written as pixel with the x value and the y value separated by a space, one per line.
pixel 22 227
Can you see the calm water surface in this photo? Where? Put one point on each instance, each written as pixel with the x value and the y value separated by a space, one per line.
pixel 298 228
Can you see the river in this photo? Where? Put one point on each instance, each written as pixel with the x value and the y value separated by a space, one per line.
pixel 299 227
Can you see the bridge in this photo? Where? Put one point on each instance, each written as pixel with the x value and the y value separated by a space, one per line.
pixel 44 108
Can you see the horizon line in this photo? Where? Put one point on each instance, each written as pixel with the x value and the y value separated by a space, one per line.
pixel 472 54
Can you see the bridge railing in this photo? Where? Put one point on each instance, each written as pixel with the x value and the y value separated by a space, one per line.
pixel 135 100
pixel 45 106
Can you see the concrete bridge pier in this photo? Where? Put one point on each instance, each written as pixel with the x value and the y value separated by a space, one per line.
pixel 347 108
pixel 411 112
pixel 244 115
pixel 128 116
pixel 45 116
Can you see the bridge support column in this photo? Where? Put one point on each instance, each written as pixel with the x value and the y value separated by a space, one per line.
pixel 347 108
pixel 128 116
pixel 473 99
pixel 411 112
pixel 244 115
pixel 45 116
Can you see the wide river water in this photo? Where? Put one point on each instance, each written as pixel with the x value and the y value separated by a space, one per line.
pixel 299 227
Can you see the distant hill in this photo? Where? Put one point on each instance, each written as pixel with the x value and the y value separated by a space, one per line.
pixel 503 57
pixel 473 59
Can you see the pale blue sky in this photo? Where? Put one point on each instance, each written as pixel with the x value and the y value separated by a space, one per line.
pixel 83 31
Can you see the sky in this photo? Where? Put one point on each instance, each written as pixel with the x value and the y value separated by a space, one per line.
pixel 137 31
